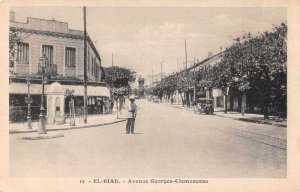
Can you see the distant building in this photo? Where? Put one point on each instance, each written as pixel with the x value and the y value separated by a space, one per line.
pixel 64 49
pixel 152 80
pixel 205 92
pixel 148 81
pixel 158 77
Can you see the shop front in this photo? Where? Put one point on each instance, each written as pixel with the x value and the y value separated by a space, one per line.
pixel 97 95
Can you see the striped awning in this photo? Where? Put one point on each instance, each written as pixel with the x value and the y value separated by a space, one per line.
pixel 21 88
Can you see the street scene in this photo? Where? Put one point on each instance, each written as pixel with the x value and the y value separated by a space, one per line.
pixel 122 92
pixel 166 146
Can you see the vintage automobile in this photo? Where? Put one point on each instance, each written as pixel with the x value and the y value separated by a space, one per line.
pixel 204 105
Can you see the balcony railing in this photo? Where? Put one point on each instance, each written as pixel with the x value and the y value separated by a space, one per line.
pixel 70 72
pixel 21 68
pixel 49 70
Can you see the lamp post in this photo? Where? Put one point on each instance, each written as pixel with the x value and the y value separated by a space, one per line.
pixel 42 119
pixel 28 100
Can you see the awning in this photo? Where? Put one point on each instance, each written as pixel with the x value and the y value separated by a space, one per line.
pixel 91 90
pixel 21 88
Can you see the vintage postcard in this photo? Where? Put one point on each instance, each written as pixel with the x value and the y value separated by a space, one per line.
pixel 150 96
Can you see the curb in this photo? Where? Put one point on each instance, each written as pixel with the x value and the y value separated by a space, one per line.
pixel 241 119
pixel 253 121
pixel 43 137
pixel 67 128
pixel 261 122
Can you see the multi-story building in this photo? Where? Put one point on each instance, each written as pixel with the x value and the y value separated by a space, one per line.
pixel 148 81
pixel 158 77
pixel 152 80
pixel 215 93
pixel 64 49
pixel 234 101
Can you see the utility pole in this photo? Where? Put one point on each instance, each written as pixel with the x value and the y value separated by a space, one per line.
pixel 160 71
pixel 152 77
pixel 84 69
pixel 112 60
pixel 195 82
pixel 161 68
pixel 185 54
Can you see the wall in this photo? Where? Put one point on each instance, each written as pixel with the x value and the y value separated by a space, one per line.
pixel 59 45
pixel 43 25
pixel 36 40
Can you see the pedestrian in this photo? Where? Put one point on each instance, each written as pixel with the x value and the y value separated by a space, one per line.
pixel 120 104
pixel 101 105
pixel 111 106
pixel 106 105
pixel 132 111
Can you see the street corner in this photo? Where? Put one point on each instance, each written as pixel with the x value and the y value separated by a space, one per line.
pixel 37 136
pixel 12 131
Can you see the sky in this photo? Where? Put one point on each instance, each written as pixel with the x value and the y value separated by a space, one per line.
pixel 144 38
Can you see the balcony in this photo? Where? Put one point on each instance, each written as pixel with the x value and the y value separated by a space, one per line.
pixel 70 72
pixel 49 70
pixel 21 68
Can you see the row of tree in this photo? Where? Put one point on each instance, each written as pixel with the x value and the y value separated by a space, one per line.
pixel 254 65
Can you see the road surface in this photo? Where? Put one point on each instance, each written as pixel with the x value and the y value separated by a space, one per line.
pixel 167 143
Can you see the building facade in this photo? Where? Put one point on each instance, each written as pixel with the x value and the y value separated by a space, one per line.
pixel 64 49
pixel 205 92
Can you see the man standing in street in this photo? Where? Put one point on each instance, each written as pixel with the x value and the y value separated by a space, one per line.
pixel 132 111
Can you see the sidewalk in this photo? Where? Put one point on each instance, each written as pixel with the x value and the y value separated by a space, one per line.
pixel 92 121
pixel 274 135
pixel 254 118
pixel 249 117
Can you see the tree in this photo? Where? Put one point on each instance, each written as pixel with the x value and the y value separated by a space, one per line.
pixel 118 77
pixel 118 80
pixel 254 64
pixel 14 39
pixel 204 78
pixel 183 82
pixel 222 77
pixel 168 86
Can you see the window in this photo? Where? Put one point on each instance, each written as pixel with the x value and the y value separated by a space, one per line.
pixel 23 53
pixel 92 66
pixel 70 57
pixel 97 70
pixel 48 51
pixel 88 59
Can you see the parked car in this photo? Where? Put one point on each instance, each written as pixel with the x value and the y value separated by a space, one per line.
pixel 204 105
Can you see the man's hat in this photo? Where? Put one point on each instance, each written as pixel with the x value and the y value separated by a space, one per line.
pixel 132 97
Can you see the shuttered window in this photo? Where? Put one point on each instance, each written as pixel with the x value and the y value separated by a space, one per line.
pixel 23 53
pixel 97 70
pixel 92 66
pixel 48 51
pixel 70 57
pixel 88 59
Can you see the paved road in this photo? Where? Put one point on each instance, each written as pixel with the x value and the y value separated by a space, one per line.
pixel 168 142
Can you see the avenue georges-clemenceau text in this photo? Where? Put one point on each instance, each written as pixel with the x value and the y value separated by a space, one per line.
pixel 136 181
